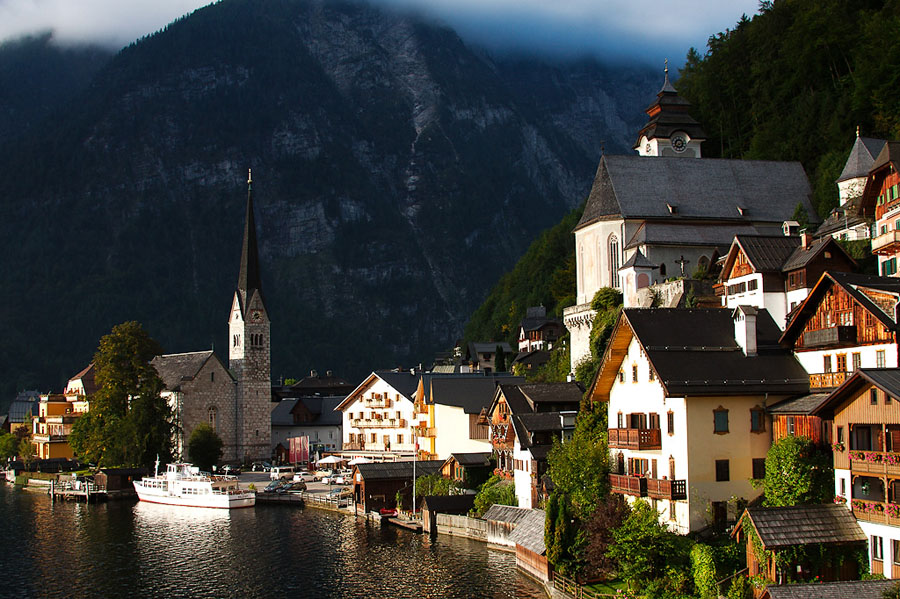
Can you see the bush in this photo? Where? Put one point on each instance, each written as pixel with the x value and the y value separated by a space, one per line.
pixel 704 569
pixel 740 588
pixel 495 491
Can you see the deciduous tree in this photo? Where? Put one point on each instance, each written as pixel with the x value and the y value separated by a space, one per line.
pixel 204 448
pixel 797 472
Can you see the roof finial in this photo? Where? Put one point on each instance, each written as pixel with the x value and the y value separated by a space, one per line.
pixel 667 67
pixel 857 131
pixel 249 178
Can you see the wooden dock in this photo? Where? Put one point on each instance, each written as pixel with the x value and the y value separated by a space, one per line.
pixel 288 498
pixel 86 492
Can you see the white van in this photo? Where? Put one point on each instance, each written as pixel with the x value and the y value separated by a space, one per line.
pixel 279 472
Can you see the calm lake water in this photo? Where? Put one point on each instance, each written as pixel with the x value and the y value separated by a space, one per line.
pixel 129 549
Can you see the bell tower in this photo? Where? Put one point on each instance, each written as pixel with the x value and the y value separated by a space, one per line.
pixel 670 130
pixel 249 355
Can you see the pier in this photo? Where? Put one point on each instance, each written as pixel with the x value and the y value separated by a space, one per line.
pixel 84 491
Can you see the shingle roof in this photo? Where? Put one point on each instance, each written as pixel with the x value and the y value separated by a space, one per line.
pixel 174 369
pixel 397 470
pixel 529 532
pixel 804 404
pixel 87 376
pixel 473 459
pixel 536 357
pixel 472 394
pixel 281 412
pixel 857 589
pixel 541 421
pixel 889 154
pixel 404 382
pixel 488 347
pixel 803 256
pixel 705 188
pixel 861 158
pixel 693 351
pixel 848 215
pixel 714 234
pixel 804 524
pixel 505 513
pixel 553 393
pixel 321 407
pixel 767 253
pixel 449 504
pixel 638 260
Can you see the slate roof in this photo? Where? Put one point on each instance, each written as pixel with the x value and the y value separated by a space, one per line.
pixel 324 385
pixel 321 407
pixel 889 154
pixel 404 382
pixel 862 157
pixel 472 459
pixel 635 187
pixel 717 235
pixel 541 421
pixel 693 351
pixel 886 379
pixel 249 281
pixel 804 404
pixel 489 347
pixel 767 253
pixel 537 357
pixel 505 513
pixel 804 524
pixel 529 532
pixel 281 412
pixel 803 256
pixel 175 369
pixel 846 216
pixel 638 260
pixel 472 394
pixel 24 403
pixel 857 589
pixel 449 504
pixel 397 470
pixel 553 393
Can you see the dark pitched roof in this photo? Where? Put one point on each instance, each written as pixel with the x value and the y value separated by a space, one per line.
pixel 321 407
pixel 718 235
pixel 848 215
pixel 857 589
pixel 803 256
pixel 693 351
pixel 248 276
pixel 535 356
pixel 281 412
pixel 449 504
pixel 398 470
pixel 25 403
pixel 804 524
pixel 641 187
pixel 638 260
pixel 767 253
pixel 174 369
pixel 404 382
pixel 886 379
pixel 804 404
pixel 324 385
pixel 861 158
pixel 472 459
pixel 541 421
pixel 669 113
pixel 87 376
pixel 487 347
pixel 553 393
pixel 505 513
pixel 472 394
pixel 889 154
pixel 529 532
pixel 536 322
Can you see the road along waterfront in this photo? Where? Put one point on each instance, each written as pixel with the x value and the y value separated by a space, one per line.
pixel 128 549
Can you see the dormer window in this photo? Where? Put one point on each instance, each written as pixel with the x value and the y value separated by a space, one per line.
pixel 673 209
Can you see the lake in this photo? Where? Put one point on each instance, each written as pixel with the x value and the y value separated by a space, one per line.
pixel 130 549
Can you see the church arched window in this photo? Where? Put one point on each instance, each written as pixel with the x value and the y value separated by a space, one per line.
pixel 613 261
pixel 213 418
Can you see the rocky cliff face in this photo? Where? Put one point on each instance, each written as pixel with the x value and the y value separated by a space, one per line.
pixel 397 173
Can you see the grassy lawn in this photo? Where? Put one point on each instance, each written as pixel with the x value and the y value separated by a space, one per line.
pixel 609 587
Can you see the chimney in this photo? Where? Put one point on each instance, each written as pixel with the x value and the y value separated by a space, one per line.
pixel 804 239
pixel 745 329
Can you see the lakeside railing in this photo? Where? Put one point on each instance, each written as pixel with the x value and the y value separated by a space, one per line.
pixel 571 588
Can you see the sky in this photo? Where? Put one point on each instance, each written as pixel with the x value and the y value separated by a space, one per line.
pixel 649 30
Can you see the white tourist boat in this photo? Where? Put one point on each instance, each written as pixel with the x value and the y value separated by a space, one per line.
pixel 183 484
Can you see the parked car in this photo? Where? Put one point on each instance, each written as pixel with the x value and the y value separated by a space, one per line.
pixel 286 472
pixel 304 476
pixel 261 467
pixel 294 487
pixel 231 470
pixel 321 474
pixel 273 486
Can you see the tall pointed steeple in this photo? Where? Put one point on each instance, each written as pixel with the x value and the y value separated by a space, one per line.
pixel 248 278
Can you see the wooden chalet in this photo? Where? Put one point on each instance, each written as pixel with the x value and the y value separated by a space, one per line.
pixel 865 412
pixel 847 322
pixel 778 528
pixel 375 486
pixel 471 469
pixel 794 418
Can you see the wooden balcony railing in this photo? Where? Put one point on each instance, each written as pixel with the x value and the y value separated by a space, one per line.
pixel 378 423
pixel 373 402
pixel 424 431
pixel 635 438
pixel 837 336
pixel 878 512
pixel 886 243
pixel 828 380
pixel 628 485
pixel 880 463
pixel 659 488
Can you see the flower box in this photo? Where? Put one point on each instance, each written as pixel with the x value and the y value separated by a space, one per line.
pixel 837 447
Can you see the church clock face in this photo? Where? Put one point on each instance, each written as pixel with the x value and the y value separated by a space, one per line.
pixel 257 316
pixel 679 142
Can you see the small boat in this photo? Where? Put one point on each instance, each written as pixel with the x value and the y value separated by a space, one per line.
pixel 183 484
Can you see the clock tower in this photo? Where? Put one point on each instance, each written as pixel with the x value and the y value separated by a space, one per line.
pixel 670 131
pixel 249 355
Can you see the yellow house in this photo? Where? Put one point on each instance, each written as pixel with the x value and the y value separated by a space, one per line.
pixel 686 392
pixel 51 427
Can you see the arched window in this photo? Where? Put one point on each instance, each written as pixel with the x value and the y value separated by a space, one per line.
pixel 581 267
pixel 613 261
pixel 213 417
pixel 662 269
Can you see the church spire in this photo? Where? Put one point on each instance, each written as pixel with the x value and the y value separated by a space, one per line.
pixel 248 279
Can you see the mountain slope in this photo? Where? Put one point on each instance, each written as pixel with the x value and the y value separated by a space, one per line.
pixel 396 171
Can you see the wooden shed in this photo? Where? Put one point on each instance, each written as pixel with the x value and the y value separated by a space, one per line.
pixel 779 528
pixel 531 553
pixel 444 504
pixel 119 479
pixel 375 486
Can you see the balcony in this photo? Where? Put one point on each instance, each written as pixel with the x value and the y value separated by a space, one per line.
pixel 354 446
pixel 830 337
pixel 378 423
pixel 828 380
pixel 674 490
pixel 879 463
pixel 377 402
pixel 38 438
pixel 624 484
pixel 878 512
pixel 635 438
pixel 424 431
pixel 888 243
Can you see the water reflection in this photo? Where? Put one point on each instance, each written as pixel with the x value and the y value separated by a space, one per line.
pixel 126 549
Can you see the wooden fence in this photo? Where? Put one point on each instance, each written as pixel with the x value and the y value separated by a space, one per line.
pixel 576 591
